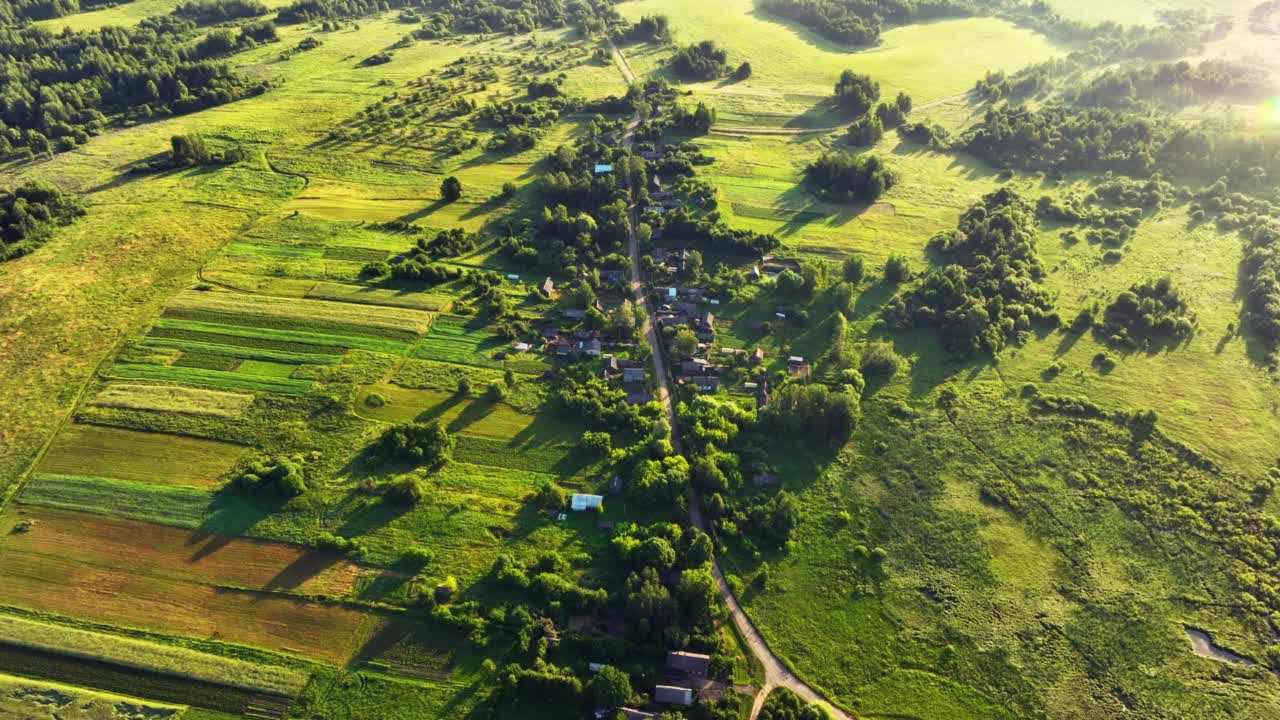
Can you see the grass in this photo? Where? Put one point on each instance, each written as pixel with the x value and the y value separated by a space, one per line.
pixel 794 70
pixel 200 377
pixel 42 700
pixel 248 355
pixel 463 415
pixel 162 398
pixel 147 457
pixel 104 570
pixel 151 657
pixel 298 314
pixel 293 341
pixel 458 340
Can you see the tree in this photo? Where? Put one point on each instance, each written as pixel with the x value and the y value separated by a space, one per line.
pixel 854 269
pixel 610 688
pixel 451 189
pixel 856 93
pixel 743 72
pixel 188 150
pixel 867 130
pixel 699 598
pixel 685 343
pixel 897 269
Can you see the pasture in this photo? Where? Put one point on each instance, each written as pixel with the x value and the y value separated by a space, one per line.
pixel 94 450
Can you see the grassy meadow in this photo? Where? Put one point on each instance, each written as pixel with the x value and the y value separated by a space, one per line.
pixel 794 70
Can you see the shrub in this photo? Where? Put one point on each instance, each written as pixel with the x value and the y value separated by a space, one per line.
pixel 282 475
pixel 421 443
pixel 407 491
pixel 880 360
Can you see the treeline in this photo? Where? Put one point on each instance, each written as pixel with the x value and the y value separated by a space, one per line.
pixel 860 22
pixel 1180 82
pixel 28 214
pixel 13 12
pixel 59 89
pixel 990 293
pixel 1058 138
pixel 212 12
pixel 508 16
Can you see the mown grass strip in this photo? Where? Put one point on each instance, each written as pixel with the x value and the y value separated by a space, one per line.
pixel 150 657
pixel 552 460
pixel 175 399
pixel 209 378
pixel 300 314
pixel 298 341
pixel 277 356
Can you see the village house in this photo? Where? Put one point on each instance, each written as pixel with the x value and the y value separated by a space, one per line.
pixel 582 503
pixel 603 169
pixel 633 714
pixel 548 288
pixel 639 398
pixel 633 375
pixel 612 277
pixel 672 695
pixel 611 366
pixel 765 480
pixel 687 663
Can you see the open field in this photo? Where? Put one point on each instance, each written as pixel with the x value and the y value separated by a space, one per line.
pixel 173 580
pixel 151 656
pixel 303 315
pixel 794 70
pixel 465 416
pixel 149 457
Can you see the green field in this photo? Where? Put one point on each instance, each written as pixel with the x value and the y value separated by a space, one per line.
pixel 165 459
pixel 793 70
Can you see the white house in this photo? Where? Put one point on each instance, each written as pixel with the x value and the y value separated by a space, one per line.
pixel 581 502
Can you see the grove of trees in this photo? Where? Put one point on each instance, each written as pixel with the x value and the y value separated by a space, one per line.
pixel 28 214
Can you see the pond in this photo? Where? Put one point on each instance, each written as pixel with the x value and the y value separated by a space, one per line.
pixel 1202 644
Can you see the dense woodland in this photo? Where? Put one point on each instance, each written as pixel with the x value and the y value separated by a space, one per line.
pixel 59 89
pixel 20 10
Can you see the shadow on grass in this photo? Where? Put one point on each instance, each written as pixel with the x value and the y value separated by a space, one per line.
pixel 228 516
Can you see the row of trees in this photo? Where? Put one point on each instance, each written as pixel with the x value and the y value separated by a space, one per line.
pixel 16 11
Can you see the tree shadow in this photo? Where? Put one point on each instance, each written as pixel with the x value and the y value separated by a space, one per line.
pixel 306 567
pixel 228 516
pixel 431 209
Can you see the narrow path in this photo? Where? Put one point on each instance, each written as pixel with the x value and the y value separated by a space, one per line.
pixel 776 672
